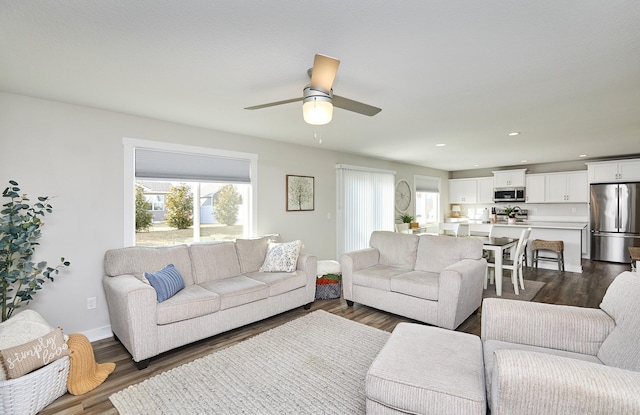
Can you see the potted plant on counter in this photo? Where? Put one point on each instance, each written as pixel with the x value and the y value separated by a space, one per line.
pixel 20 223
pixel 406 222
pixel 511 213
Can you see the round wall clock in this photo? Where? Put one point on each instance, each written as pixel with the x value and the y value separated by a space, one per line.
pixel 403 196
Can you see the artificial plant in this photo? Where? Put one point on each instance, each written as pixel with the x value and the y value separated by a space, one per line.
pixel 20 229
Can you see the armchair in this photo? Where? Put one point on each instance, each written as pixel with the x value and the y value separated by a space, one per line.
pixel 554 359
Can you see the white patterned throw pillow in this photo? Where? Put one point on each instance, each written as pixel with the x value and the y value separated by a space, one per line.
pixel 281 257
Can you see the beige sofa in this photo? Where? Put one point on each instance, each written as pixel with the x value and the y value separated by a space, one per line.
pixel 554 359
pixel 224 289
pixel 434 279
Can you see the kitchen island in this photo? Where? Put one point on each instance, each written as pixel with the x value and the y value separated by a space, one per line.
pixel 573 234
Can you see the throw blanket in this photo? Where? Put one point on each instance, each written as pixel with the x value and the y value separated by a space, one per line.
pixel 85 374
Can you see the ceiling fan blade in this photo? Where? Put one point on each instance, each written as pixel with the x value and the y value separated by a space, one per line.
pixel 273 104
pixel 355 106
pixel 324 72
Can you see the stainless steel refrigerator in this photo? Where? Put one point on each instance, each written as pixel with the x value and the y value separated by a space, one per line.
pixel 615 220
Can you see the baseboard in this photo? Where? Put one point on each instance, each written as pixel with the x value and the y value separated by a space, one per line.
pixel 98 334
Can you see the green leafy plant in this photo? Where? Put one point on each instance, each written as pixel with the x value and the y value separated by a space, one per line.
pixel 511 211
pixel 144 218
pixel 20 229
pixel 405 218
pixel 180 207
pixel 226 205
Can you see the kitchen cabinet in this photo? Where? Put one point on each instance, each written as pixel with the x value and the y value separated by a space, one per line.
pixel 485 190
pixel 569 187
pixel 473 190
pixel 614 171
pixel 535 191
pixel 463 190
pixel 509 178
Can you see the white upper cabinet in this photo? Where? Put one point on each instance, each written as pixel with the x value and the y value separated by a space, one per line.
pixel 614 171
pixel 463 190
pixel 535 191
pixel 569 187
pixel 509 178
pixel 485 190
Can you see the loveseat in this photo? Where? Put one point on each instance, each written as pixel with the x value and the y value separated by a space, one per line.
pixel 223 289
pixel 555 359
pixel 434 279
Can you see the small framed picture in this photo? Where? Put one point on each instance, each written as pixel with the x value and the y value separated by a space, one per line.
pixel 300 193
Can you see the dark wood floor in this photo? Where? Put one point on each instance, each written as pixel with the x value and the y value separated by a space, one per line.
pixel 584 290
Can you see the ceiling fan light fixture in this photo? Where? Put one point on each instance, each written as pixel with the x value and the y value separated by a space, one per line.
pixel 317 107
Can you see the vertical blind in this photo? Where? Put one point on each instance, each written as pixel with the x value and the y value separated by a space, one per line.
pixel 365 204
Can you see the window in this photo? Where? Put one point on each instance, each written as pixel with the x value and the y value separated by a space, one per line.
pixel 192 194
pixel 365 204
pixel 154 202
pixel 427 199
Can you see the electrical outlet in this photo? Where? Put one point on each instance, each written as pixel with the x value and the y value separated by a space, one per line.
pixel 91 303
pixel 573 210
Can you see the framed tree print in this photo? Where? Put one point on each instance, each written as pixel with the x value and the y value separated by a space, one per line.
pixel 300 193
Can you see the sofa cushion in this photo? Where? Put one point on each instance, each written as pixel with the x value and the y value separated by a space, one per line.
pixel 491 346
pixel 193 301
pixel 167 282
pixel 280 282
pixel 435 253
pixel 214 261
pixel 235 291
pixel 396 249
pixel 417 284
pixel 281 257
pixel 622 303
pixel 377 276
pixel 136 260
pixel 251 253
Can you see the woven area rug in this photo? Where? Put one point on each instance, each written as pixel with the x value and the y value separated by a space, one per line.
pixel 315 364
pixel 531 288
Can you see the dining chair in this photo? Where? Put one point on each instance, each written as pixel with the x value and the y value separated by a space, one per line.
pixel 447 228
pixel 515 265
pixel 480 229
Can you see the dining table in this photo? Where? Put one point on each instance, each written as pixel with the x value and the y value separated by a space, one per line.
pixel 497 245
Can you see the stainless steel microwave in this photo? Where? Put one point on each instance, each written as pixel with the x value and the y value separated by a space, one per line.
pixel 508 194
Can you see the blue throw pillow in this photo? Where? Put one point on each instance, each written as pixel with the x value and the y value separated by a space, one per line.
pixel 167 282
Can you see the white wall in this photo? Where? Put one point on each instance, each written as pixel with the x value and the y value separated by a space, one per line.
pixel 75 153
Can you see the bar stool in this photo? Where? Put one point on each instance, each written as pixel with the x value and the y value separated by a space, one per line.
pixel 553 246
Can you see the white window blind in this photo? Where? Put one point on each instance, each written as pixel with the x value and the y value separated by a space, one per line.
pixel 173 165
pixel 365 204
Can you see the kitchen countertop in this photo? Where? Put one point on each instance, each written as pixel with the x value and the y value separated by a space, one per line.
pixel 538 224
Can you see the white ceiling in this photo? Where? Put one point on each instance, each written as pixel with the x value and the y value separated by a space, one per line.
pixel 564 73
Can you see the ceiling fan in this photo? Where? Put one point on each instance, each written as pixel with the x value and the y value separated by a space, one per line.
pixel 317 97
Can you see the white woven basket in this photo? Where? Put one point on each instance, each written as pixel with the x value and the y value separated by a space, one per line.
pixel 29 394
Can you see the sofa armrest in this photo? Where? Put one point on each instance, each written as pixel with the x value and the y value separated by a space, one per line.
pixel 460 291
pixel 574 329
pixel 309 265
pixel 353 262
pixel 132 312
pixel 528 383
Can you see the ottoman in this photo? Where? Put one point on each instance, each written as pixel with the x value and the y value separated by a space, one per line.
pixel 427 370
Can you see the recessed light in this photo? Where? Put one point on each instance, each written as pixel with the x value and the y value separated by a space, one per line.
pixel 513 134
pixel 476 165
pixel 440 145
pixel 583 155
pixel 524 161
